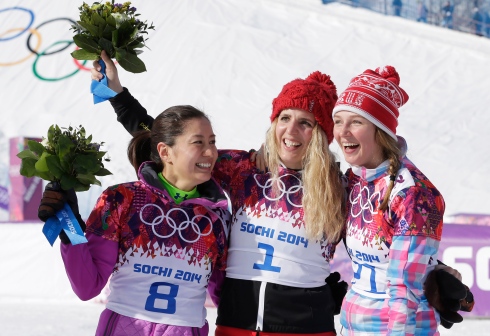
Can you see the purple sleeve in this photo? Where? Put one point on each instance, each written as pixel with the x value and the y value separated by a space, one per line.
pixel 89 265
pixel 215 285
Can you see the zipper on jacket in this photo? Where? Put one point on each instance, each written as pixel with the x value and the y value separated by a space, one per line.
pixel 260 310
pixel 110 324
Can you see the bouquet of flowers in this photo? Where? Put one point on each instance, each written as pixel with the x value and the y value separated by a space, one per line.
pixel 114 28
pixel 66 156
pixel 70 158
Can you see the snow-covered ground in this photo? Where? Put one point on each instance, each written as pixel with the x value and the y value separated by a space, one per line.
pixel 80 319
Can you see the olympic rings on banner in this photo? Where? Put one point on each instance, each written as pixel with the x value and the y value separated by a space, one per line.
pixel 44 53
pixel 24 29
pixel 42 24
pixel 34 32
pixel 35 49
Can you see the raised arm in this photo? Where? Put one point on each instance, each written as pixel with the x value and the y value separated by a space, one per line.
pixel 129 111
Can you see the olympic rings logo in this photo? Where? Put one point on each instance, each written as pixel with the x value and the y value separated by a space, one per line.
pixel 176 227
pixel 281 187
pixel 365 203
pixel 34 46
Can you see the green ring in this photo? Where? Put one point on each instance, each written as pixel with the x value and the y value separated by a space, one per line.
pixel 52 79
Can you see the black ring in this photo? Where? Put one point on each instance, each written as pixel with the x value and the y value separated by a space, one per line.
pixel 42 24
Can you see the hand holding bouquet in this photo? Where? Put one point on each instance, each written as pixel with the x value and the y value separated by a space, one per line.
pixel 114 28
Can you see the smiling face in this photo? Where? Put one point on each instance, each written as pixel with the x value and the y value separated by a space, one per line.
pixel 356 137
pixel 293 134
pixel 191 159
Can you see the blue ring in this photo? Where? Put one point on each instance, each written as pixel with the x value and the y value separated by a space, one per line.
pixel 25 29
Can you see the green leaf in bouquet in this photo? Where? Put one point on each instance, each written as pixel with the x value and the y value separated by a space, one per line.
pixel 100 155
pixel 86 43
pixel 107 46
pixel 137 43
pixel 98 20
pixel 27 153
pixel 53 131
pixel 27 167
pixel 35 147
pixel 67 182
pixel 93 30
pixel 41 164
pixel 81 131
pixel 126 30
pixel 81 187
pixel 129 61
pixel 86 178
pixel 111 21
pixel 46 176
pixel 115 38
pixel 65 145
pixel 84 55
pixel 66 164
pixel 103 172
pixel 54 166
pixel 86 162
pixel 107 33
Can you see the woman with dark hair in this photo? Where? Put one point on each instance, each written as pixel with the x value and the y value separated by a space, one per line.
pixel 286 221
pixel 163 237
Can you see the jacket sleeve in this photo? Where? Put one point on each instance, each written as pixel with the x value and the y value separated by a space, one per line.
pixel 410 257
pixel 130 113
pixel 230 166
pixel 417 218
pixel 215 284
pixel 89 265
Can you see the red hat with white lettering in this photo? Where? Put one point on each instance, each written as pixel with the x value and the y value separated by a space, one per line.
pixel 376 96
pixel 316 94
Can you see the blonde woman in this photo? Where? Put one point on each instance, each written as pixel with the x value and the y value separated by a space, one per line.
pixel 286 222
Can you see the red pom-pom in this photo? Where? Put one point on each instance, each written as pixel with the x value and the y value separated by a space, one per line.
pixel 319 77
pixel 389 73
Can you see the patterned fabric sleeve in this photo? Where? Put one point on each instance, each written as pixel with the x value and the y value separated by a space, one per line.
pixel 409 258
pixel 229 167
pixel 104 220
pixel 417 216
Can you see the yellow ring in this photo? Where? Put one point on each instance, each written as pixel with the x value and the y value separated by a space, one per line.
pixel 34 32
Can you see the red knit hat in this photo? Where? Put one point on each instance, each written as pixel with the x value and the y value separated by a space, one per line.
pixel 376 96
pixel 316 94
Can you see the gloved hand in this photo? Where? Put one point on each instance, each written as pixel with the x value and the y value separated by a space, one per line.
pixel 338 289
pixel 53 200
pixel 448 295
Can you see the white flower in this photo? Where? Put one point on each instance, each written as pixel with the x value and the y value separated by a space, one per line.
pixel 120 18
pixel 45 142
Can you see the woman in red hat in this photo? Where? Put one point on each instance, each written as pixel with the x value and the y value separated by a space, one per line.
pixel 394 213
pixel 286 222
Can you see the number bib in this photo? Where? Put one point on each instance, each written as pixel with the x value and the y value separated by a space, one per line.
pixel 272 249
pixel 163 290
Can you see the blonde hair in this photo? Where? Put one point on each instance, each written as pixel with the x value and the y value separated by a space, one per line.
pixel 391 152
pixel 323 193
